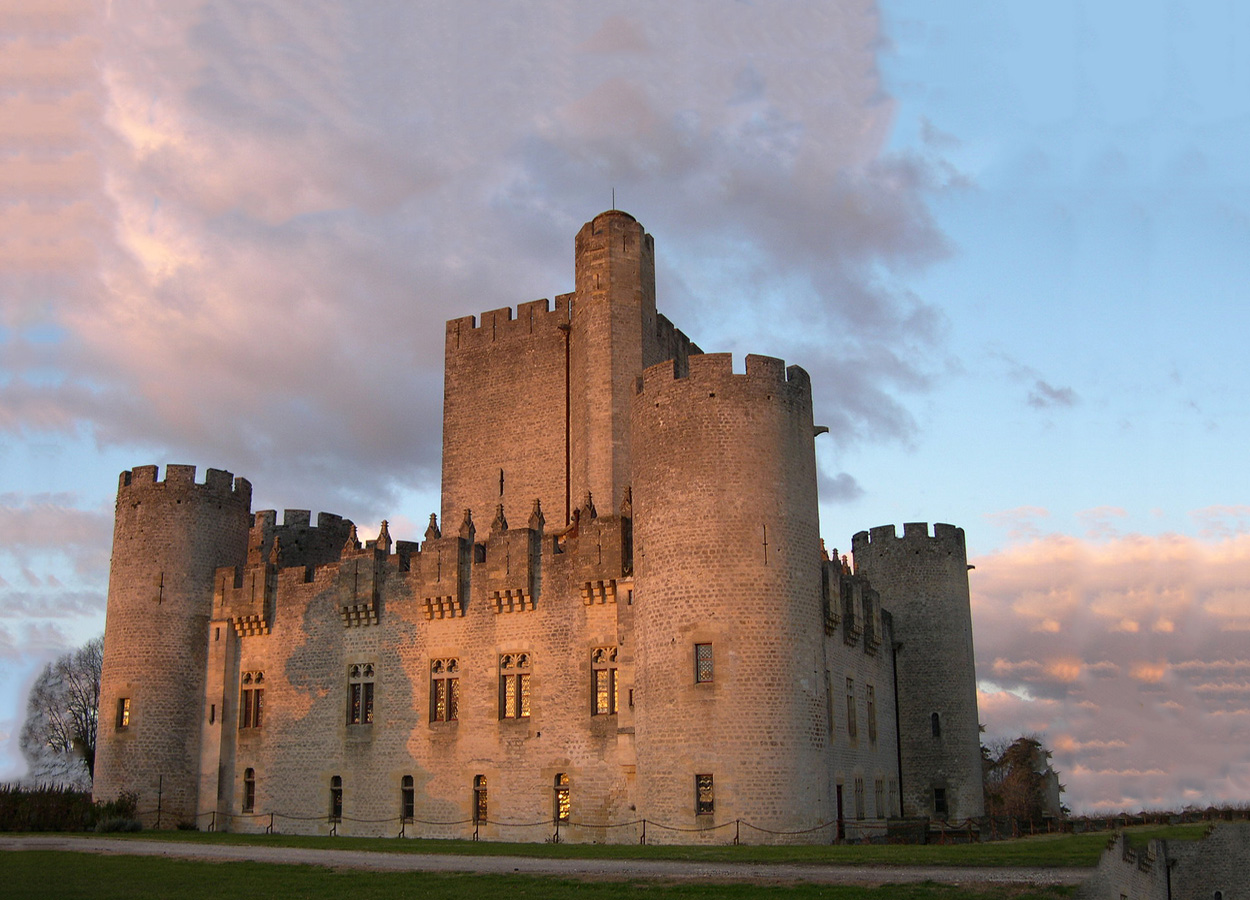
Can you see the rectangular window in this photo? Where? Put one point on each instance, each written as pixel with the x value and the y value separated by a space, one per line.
pixel 893 810
pixel 563 804
pixel 878 797
pixel 123 712
pixel 336 798
pixel 444 689
pixel 251 699
pixel 514 686
pixel 852 727
pixel 704 798
pixel 702 663
pixel 872 713
pixel 939 803
pixel 407 799
pixel 480 807
pixel 603 681
pixel 360 694
pixel 249 790
pixel 859 797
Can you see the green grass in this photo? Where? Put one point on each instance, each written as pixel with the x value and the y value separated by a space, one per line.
pixel 1042 850
pixel 29 875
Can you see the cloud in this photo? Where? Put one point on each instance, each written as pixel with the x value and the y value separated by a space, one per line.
pixel 1043 395
pixel 840 488
pixel 1112 649
pixel 246 224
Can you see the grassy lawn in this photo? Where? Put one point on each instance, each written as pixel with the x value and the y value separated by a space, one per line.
pixel 1042 850
pixel 28 875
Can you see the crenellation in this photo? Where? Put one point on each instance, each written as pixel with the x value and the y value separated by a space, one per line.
pixel 631 594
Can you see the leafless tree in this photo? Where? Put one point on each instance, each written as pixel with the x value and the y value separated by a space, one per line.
pixel 58 737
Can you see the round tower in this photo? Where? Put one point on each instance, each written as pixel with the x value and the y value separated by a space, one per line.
pixel 612 339
pixel 923 582
pixel 730 710
pixel 168 539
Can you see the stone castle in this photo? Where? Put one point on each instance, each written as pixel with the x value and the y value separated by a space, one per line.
pixel 623 626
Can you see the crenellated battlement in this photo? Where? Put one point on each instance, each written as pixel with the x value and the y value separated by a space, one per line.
pixel 885 537
pixel 299 542
pixel 764 375
pixel 494 325
pixel 218 483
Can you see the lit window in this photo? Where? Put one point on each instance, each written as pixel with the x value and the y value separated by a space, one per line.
pixel 603 680
pixel 514 686
pixel 249 790
pixel 407 799
pixel 479 800
pixel 336 799
pixel 360 694
pixel 852 727
pixel 702 663
pixel 251 699
pixel 872 712
pixel 939 803
pixel 562 797
pixel 704 797
pixel 123 712
pixel 444 689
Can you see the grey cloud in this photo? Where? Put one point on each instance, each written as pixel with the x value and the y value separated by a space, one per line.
pixel 1044 395
pixel 840 488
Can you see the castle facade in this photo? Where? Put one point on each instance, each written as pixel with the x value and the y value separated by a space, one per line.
pixel 622 626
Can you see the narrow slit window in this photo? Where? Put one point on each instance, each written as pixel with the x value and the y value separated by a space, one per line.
pixel 563 806
pixel 704 795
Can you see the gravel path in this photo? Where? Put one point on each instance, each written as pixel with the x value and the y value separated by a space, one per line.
pixel 606 869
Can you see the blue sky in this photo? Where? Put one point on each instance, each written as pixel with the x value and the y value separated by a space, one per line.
pixel 1007 240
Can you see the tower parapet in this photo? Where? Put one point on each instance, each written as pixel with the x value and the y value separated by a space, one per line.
pixel 923 580
pixel 169 538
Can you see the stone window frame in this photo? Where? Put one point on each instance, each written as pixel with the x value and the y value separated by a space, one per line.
pixel 336 798
pixel 935 725
pixel 563 798
pixel 407 799
pixel 941 806
pixel 515 670
pixel 481 800
pixel 852 724
pixel 445 689
pixel 604 681
pixel 704 794
pixel 361 678
pixel 878 797
pixel 870 698
pixel 249 790
pixel 251 699
pixel 860 800
pixel 704 665
pixel 123 713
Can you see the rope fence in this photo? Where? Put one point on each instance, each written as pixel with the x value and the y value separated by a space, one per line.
pixel 914 830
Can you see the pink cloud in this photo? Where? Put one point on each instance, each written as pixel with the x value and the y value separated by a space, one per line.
pixel 1140 646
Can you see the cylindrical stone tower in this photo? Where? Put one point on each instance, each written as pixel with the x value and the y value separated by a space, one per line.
pixel 612 339
pixel 730 715
pixel 168 539
pixel 923 582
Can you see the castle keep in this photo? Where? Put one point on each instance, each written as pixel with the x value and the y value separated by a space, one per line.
pixel 622 624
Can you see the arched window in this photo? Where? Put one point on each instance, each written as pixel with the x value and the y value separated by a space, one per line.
pixel 935 722
pixel 407 799
pixel 336 799
pixel 479 800
pixel 562 797
pixel 249 790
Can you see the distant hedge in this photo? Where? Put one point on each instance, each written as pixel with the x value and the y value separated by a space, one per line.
pixel 61 809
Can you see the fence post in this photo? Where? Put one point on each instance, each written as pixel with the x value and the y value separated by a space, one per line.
pixel 737 830
pixel 160 786
pixel 212 821
pixel 269 829
pixel 643 839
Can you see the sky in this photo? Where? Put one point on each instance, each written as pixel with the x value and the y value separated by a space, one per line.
pixel 1008 241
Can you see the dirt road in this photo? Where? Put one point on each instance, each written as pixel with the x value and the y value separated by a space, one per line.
pixel 606 869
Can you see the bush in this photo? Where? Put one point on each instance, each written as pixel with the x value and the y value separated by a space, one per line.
pixel 44 809
pixel 117 823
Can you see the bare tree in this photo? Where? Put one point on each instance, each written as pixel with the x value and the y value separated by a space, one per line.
pixel 58 737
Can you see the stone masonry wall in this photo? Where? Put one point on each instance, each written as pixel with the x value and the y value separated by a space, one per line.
pixel 728 555
pixel 923 581
pixel 169 537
